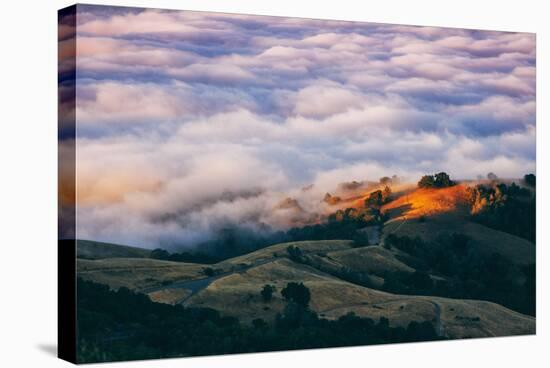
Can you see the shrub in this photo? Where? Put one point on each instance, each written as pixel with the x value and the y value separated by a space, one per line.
pixel 427 181
pixel 267 293
pixel 296 293
pixel 209 271
pixel 375 199
pixel 442 180
pixel 294 253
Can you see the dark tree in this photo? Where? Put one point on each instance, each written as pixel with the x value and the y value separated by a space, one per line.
pixel 195 257
pixel 442 180
pixel 267 293
pixel 427 181
pixel 159 254
pixel 492 176
pixel 421 281
pixel 260 324
pixel 439 180
pixel 375 199
pixel 386 194
pixel 385 180
pixel 297 293
pixel 530 179
pixel 209 271
pixel 294 253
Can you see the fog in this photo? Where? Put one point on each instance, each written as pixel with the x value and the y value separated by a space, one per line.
pixel 189 122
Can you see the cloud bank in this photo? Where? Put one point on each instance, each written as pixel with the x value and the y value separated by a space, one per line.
pixel 189 122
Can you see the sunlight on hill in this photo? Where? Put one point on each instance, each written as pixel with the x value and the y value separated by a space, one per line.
pixel 428 202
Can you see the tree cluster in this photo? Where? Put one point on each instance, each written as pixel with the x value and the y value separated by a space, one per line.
pixel 470 273
pixel 439 180
pixel 508 208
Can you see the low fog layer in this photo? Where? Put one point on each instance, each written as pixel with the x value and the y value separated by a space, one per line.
pixel 192 122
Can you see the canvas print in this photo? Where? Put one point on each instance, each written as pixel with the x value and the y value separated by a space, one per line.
pixel 238 183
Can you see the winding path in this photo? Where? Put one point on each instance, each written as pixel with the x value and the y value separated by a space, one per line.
pixel 438 325
pixel 197 285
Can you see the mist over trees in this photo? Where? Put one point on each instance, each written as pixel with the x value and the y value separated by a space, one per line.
pixel 378 198
pixel 492 176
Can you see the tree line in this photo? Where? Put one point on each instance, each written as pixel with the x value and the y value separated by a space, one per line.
pixel 468 272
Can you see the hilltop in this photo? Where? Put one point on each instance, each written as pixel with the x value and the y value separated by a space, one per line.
pixel 420 202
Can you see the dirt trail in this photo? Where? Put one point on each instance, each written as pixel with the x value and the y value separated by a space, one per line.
pixel 438 325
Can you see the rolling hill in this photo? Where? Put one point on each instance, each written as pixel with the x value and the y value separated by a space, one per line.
pixel 235 290
pixel 330 270
pixel 89 249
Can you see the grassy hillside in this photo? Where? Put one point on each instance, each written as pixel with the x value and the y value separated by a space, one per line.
pixel 235 288
pixel 457 318
pixel 428 213
pixel 515 249
pixel 238 295
pixel 428 202
pixel 369 281
pixel 89 249
pixel 136 273
pixel 280 250
pixel 373 260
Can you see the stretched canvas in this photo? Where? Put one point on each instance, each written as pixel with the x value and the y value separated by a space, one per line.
pixel 237 183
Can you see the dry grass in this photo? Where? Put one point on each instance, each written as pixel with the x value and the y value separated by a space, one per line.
pixel 97 250
pixel 373 260
pixel 400 310
pixel 358 199
pixel 429 202
pixel 517 250
pixel 136 273
pixel 169 296
pixel 459 318
pixel 279 250
pixel 239 294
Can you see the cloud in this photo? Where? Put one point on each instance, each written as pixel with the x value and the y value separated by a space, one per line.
pixel 191 121
pixel 149 21
pixel 113 102
pixel 319 101
pixel 213 73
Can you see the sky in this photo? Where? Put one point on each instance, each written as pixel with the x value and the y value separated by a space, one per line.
pixel 188 122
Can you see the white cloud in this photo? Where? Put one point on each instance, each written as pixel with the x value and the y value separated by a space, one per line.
pixel 189 121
